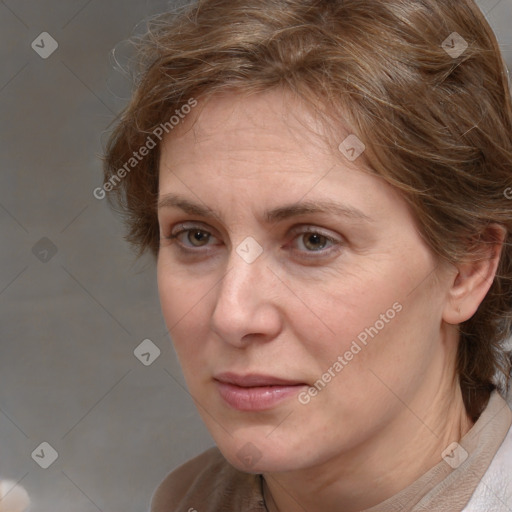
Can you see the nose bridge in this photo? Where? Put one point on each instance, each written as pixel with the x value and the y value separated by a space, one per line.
pixel 243 302
pixel 245 277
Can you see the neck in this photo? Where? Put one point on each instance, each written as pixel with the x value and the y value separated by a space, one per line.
pixel 408 447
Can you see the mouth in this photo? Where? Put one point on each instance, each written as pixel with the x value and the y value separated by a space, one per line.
pixel 255 392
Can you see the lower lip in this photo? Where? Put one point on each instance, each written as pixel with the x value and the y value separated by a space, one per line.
pixel 256 398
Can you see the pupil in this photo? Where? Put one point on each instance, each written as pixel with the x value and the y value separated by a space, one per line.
pixel 315 241
pixel 200 236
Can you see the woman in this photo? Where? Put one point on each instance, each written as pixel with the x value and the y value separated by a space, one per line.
pixel 322 185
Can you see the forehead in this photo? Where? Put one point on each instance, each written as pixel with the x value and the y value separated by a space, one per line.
pixel 238 141
pixel 237 125
pixel 267 152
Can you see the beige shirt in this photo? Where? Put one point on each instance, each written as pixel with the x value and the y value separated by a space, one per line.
pixel 208 483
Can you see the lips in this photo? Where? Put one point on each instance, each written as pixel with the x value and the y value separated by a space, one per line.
pixel 255 380
pixel 255 392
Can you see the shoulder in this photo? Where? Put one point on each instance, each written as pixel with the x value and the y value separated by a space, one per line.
pixel 207 483
pixel 494 492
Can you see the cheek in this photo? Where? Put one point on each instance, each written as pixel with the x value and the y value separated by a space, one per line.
pixel 348 309
pixel 185 309
pixel 363 324
pixel 381 348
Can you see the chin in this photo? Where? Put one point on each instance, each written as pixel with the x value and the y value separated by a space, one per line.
pixel 259 454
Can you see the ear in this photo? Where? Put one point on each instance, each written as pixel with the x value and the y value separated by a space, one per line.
pixel 473 278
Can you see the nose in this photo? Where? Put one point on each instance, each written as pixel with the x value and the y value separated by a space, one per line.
pixel 247 303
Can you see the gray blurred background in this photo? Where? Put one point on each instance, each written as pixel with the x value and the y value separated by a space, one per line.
pixel 74 303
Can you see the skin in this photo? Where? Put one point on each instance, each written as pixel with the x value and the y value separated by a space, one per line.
pixel 385 419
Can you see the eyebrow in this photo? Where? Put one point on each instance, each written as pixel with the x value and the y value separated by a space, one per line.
pixel 271 216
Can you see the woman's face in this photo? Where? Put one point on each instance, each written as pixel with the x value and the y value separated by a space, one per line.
pixel 302 302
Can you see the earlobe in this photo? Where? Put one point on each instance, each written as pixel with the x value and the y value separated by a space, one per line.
pixel 474 278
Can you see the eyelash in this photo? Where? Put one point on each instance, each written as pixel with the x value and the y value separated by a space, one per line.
pixel 183 229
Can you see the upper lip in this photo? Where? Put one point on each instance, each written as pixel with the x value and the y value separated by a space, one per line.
pixel 254 380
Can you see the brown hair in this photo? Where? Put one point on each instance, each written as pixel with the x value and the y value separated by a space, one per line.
pixel 435 117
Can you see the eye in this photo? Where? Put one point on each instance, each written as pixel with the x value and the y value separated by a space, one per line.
pixel 191 238
pixel 312 240
pixel 308 242
pixel 196 237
